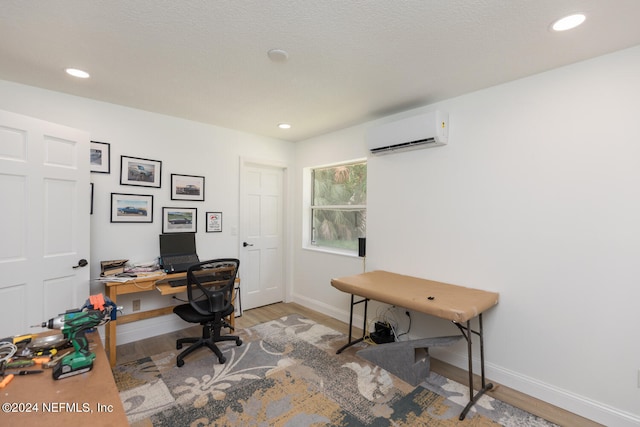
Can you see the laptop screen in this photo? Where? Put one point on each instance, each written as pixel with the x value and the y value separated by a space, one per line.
pixel 177 244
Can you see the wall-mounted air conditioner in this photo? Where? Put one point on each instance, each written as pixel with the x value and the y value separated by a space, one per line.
pixel 411 133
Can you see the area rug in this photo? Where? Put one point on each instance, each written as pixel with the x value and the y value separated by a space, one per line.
pixel 286 373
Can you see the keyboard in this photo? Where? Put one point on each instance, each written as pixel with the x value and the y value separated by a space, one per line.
pixel 174 283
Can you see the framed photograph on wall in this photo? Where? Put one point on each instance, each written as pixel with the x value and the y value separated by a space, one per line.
pixel 100 157
pixel 179 220
pixel 131 207
pixel 214 222
pixel 187 187
pixel 140 172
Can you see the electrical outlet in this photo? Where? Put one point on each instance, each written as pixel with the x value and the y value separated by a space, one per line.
pixel 136 305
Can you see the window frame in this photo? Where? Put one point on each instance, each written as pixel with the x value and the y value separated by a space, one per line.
pixel 308 229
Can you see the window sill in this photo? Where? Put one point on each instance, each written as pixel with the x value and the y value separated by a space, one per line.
pixel 330 251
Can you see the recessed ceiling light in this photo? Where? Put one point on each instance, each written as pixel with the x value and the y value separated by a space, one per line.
pixel 284 126
pixel 77 73
pixel 568 22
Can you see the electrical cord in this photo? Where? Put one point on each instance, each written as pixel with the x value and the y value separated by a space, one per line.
pixel 7 350
pixel 409 328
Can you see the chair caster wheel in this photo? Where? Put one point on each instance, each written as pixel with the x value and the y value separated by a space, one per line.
pixel 180 362
pixel 238 342
pixel 222 360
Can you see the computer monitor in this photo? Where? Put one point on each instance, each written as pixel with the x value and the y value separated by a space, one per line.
pixel 177 244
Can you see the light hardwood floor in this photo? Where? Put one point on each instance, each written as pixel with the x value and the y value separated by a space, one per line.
pixel 249 318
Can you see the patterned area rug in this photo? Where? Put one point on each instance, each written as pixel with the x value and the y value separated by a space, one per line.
pixel 286 373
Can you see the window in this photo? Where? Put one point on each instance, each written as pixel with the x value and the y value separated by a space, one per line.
pixel 338 206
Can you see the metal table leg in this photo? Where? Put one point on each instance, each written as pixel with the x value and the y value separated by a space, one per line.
pixel 364 324
pixel 467 333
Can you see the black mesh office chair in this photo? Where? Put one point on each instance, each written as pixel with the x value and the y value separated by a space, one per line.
pixel 210 289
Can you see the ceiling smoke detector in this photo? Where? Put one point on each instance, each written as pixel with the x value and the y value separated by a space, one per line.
pixel 278 55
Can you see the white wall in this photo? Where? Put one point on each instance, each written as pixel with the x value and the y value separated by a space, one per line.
pixel 536 197
pixel 184 147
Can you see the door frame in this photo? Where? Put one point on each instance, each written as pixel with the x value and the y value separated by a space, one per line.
pixel 245 162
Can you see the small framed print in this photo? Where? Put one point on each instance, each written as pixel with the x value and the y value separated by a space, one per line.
pixel 131 208
pixel 100 157
pixel 187 187
pixel 140 172
pixel 179 220
pixel 214 222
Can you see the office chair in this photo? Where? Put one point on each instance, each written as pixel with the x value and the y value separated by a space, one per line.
pixel 208 305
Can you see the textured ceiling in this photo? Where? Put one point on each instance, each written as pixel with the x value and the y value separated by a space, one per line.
pixel 349 60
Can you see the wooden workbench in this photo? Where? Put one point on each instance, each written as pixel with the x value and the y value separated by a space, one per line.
pixel 87 399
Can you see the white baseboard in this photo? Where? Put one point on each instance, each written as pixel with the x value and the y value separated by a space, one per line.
pixel 556 396
pixel 564 399
pixel 323 308
pixel 148 328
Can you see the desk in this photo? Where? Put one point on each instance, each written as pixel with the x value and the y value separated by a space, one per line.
pixel 89 399
pixel 451 302
pixel 144 283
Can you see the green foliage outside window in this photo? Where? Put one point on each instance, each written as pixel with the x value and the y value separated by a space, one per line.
pixel 339 205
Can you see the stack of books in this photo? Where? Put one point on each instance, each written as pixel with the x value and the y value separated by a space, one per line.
pixel 113 267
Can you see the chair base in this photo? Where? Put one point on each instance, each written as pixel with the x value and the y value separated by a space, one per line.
pixel 205 341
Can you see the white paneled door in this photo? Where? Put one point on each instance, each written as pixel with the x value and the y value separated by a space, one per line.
pixel 44 221
pixel 261 213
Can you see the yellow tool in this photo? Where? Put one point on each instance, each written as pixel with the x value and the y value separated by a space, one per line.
pixel 18 339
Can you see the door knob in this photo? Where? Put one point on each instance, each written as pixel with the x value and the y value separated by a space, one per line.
pixel 82 263
pixel 245 244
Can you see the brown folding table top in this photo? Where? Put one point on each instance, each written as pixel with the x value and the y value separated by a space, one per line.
pixel 451 302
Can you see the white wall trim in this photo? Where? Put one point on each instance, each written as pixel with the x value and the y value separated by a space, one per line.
pixel 329 310
pixel 577 404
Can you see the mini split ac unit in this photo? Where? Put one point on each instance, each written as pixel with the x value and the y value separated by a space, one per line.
pixel 421 131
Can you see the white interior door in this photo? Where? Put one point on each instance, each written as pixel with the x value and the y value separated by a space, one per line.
pixel 261 213
pixel 44 221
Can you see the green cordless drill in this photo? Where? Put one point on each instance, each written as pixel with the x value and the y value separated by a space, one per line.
pixel 74 325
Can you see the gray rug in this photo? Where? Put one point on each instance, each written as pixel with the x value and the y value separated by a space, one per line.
pixel 286 373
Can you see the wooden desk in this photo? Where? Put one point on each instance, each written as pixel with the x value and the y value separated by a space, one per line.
pixel 88 399
pixel 451 302
pixel 144 283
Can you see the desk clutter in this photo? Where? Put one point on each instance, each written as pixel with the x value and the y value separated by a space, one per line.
pixel 112 267
pixel 67 353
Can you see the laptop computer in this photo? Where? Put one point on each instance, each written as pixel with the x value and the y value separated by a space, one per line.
pixel 178 252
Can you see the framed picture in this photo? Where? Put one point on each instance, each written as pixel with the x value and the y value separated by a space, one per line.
pixel 179 220
pixel 131 208
pixel 140 172
pixel 187 187
pixel 214 222
pixel 100 157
